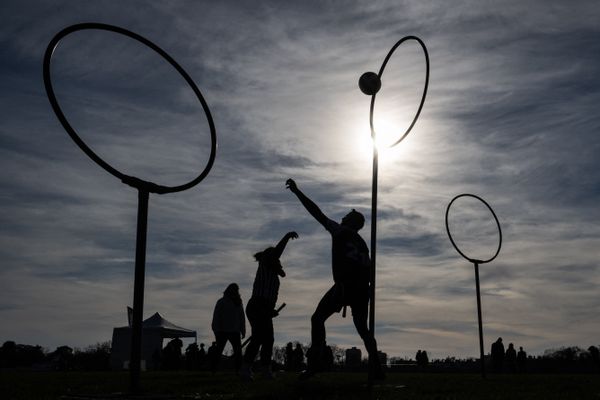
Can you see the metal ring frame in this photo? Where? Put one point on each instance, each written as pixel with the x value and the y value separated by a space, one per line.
pixel 132 181
pixel 385 61
pixel 495 218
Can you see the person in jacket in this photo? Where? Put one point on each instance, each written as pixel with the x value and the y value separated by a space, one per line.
pixel 228 324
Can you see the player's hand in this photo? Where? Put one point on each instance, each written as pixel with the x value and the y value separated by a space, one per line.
pixel 275 313
pixel 292 235
pixel 291 184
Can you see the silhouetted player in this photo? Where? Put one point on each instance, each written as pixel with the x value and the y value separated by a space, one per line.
pixel 260 309
pixel 350 266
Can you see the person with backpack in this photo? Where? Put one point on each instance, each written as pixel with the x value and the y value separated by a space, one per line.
pixel 351 275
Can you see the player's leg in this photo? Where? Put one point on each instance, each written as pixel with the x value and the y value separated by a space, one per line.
pixel 221 340
pixel 360 316
pixel 266 350
pixel 253 315
pixel 236 343
pixel 329 304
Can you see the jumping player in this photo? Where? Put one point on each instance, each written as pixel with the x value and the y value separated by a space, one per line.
pixel 350 266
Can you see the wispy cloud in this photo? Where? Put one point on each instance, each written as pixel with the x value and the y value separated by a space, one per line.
pixel 511 116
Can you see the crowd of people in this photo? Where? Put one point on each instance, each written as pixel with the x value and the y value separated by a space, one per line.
pixel 509 360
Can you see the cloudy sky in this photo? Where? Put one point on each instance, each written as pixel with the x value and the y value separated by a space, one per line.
pixel 511 115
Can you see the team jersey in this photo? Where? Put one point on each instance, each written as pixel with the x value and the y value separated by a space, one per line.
pixel 350 262
pixel 266 283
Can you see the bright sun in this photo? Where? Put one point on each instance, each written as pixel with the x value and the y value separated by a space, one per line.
pixel 387 133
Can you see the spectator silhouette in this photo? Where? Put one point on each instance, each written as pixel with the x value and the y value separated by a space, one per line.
pixel 211 354
pixel 228 324
pixel 192 357
pixel 289 357
pixel 298 357
pixel 521 360
pixel 201 356
pixel 156 359
pixel 511 358
pixel 261 307
pixel 497 355
pixel 351 275
pixel 595 354
pixel 171 357
pixel 328 358
pixel 422 359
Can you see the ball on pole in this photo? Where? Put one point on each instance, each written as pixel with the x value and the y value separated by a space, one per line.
pixel 369 83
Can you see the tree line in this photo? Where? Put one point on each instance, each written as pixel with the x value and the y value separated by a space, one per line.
pixel 96 357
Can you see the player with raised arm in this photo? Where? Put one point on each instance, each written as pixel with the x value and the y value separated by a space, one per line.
pixel 350 266
pixel 261 307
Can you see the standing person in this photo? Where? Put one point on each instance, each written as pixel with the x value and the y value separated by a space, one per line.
pixel 521 359
pixel 497 355
pixel 298 357
pixel 595 354
pixel 424 358
pixel 261 307
pixel 201 356
pixel 511 358
pixel 289 357
pixel 351 274
pixel 419 359
pixel 211 354
pixel 228 324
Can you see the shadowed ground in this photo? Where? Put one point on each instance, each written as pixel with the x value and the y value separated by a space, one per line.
pixel 201 385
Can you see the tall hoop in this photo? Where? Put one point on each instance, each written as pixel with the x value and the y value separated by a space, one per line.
pixel 497 224
pixel 380 74
pixel 132 181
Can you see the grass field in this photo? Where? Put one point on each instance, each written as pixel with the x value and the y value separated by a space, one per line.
pixel 201 385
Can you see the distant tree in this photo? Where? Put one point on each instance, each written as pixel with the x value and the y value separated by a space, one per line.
pixel 565 353
pixel 62 358
pixel 20 355
pixel 95 357
pixel 278 357
pixel 339 355
pixel 8 354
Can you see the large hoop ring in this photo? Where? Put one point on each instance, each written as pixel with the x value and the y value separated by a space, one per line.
pixel 385 61
pixel 133 181
pixel 495 218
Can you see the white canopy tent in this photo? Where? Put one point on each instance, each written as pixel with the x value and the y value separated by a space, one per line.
pixel 154 330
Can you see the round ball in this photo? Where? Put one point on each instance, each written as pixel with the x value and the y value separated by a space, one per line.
pixel 369 83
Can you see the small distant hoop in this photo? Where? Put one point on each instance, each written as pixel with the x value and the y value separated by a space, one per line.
pixel 385 61
pixel 495 218
pixel 133 181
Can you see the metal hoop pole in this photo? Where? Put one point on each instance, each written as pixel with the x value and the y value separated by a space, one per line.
pixel 375 166
pixel 481 355
pixel 373 238
pixel 138 291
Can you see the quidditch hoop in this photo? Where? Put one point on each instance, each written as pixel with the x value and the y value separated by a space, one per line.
pixel 495 218
pixel 385 61
pixel 133 181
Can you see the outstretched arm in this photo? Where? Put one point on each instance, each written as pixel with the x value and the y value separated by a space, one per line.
pixel 310 206
pixel 283 242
